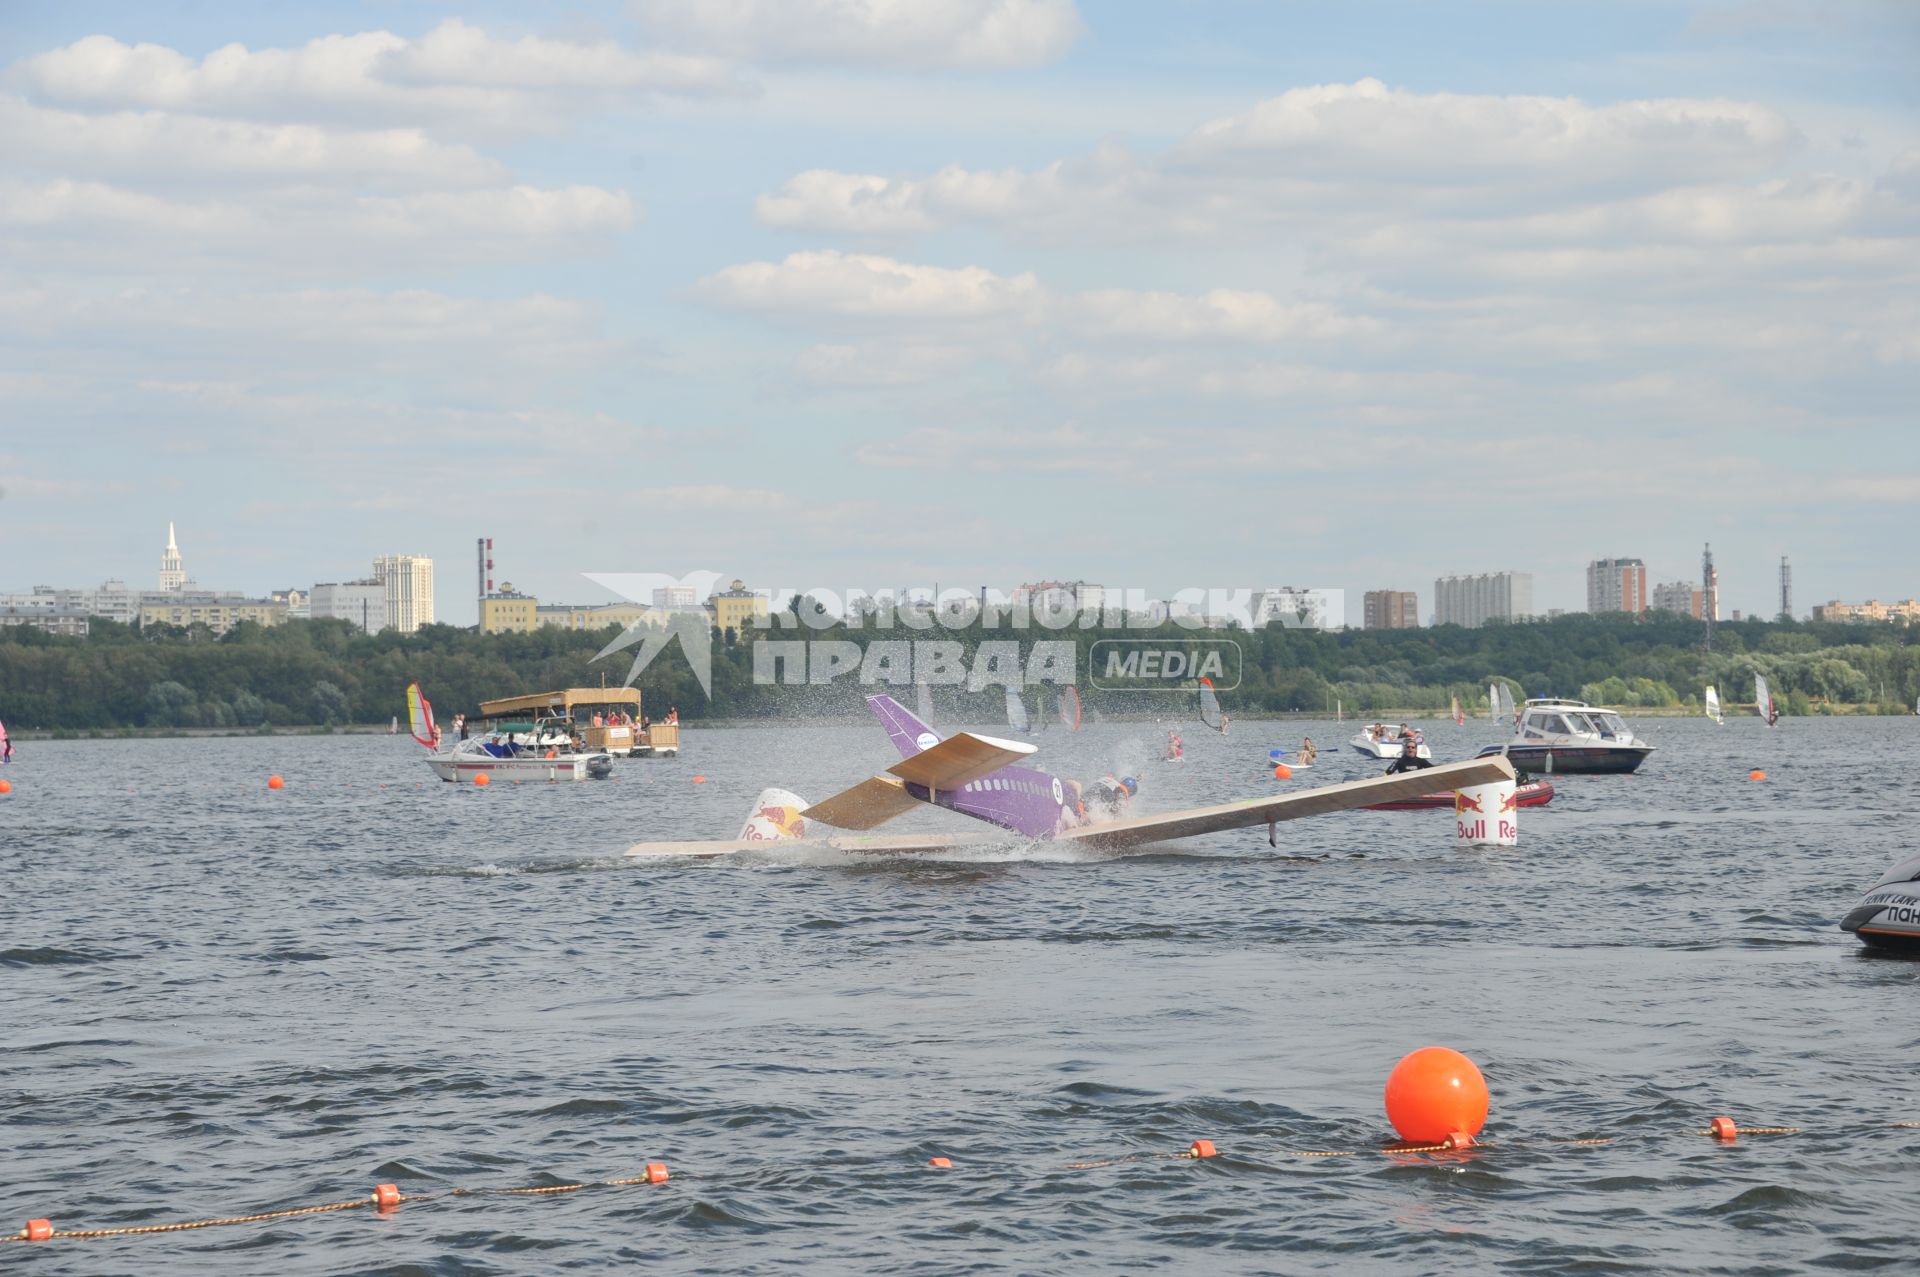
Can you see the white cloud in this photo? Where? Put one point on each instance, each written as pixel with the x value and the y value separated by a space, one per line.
pixel 915 33
pixel 1220 314
pixel 1361 152
pixel 171 334
pixel 171 149
pixel 1368 130
pixel 455 75
pixel 869 287
pixel 866 287
pixel 300 230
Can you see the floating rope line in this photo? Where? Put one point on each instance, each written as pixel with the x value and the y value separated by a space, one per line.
pixel 388 1197
pixel 383 1198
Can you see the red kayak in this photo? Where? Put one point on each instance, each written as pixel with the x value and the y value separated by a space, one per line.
pixel 1535 793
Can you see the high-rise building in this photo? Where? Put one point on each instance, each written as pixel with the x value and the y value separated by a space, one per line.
pixel 1677 596
pixel 409 582
pixel 1709 594
pixel 1472 601
pixel 676 598
pixel 364 603
pixel 1786 589
pixel 173 574
pixel 1390 610
pixel 1617 585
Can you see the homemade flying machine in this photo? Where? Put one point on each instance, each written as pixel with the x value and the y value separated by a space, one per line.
pixel 980 776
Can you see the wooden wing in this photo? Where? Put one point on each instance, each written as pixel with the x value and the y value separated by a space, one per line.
pixel 872 802
pixel 960 760
pixel 1312 802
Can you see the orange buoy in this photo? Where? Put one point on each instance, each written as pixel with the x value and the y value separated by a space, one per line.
pixel 657 1173
pixel 1435 1093
pixel 1201 1149
pixel 386 1197
pixel 481 778
pixel 1282 772
pixel 1724 1130
pixel 944 1163
pixel 6 787
pixel 274 782
pixel 699 780
pixel 1756 774
pixel 38 1230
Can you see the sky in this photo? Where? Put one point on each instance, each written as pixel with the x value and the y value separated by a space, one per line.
pixel 868 293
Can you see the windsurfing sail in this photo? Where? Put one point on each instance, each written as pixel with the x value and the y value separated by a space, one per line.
pixel 1763 698
pixel 1070 708
pixel 1040 710
pixel 1458 717
pixel 924 702
pixel 1493 700
pixel 1713 705
pixel 1016 711
pixel 3 742
pixel 420 717
pixel 1210 706
pixel 1339 711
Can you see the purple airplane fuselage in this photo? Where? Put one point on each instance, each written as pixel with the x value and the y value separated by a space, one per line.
pixel 1033 803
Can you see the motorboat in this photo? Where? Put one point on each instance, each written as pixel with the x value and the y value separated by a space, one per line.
pixel 521 751
pixel 1535 793
pixel 1558 735
pixel 1380 741
pixel 1888 916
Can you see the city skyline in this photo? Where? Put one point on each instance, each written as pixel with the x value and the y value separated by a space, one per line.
pixel 808 292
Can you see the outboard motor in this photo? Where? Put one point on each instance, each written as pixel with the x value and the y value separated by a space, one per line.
pixel 1888 916
pixel 775 817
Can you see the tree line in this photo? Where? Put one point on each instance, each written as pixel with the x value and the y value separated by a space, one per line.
pixel 325 673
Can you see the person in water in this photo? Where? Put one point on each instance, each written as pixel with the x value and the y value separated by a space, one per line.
pixel 1176 748
pixel 1109 798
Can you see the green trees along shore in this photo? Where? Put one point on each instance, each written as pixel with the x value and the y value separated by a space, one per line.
pixel 324 673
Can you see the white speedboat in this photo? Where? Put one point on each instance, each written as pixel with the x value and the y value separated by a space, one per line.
pixel 1571 736
pixel 520 751
pixel 1380 741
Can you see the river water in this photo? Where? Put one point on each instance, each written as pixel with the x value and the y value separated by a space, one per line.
pixel 221 999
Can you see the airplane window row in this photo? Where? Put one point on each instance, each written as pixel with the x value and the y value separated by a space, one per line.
pixel 1004 785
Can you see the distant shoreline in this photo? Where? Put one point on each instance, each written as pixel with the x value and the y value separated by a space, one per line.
pixel 1283 716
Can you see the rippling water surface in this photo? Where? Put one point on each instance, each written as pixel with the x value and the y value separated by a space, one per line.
pixel 220 999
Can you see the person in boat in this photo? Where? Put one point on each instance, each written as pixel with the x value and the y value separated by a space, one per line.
pixel 1409 760
pixel 673 715
pixel 1308 752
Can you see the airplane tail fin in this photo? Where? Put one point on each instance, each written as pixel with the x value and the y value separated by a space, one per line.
pixel 909 734
pixel 775 817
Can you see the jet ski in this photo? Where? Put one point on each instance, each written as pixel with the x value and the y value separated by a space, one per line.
pixel 1888 916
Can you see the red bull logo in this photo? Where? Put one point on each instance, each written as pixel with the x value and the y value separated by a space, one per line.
pixel 786 820
pixel 1461 802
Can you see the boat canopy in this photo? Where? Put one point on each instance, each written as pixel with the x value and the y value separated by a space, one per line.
pixel 562 704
